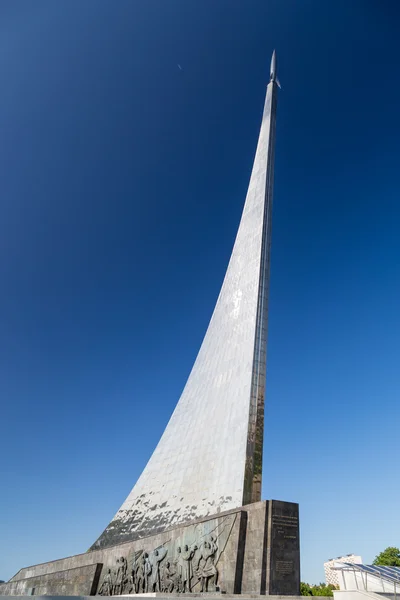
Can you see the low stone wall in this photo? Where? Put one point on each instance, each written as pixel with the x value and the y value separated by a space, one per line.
pixel 80 580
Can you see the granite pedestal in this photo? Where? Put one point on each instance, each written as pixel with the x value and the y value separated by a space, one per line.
pixel 253 549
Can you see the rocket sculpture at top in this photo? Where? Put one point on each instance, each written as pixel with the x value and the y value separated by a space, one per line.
pixel 209 458
pixel 273 76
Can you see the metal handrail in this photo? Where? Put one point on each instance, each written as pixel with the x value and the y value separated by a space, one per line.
pixel 376 573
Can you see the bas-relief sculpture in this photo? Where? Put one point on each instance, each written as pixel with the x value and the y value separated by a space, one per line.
pixel 186 564
pixel 251 550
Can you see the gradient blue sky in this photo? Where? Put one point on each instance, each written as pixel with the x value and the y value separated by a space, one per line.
pixel 122 180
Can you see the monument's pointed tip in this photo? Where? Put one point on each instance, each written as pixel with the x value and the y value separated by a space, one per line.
pixel 273 66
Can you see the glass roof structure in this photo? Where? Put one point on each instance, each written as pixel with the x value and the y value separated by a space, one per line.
pixel 389 573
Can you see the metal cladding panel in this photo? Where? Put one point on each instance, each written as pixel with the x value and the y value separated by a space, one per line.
pixel 209 457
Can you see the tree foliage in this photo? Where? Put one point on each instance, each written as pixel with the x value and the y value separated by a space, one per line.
pixel 305 589
pixel 316 590
pixel 389 557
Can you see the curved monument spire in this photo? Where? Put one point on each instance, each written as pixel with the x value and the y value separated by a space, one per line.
pixel 209 458
pixel 273 67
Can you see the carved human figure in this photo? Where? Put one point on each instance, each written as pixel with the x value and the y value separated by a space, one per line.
pixel 147 568
pixel 185 569
pixel 129 585
pixel 134 573
pixel 120 576
pixel 139 575
pixel 178 564
pixel 106 588
pixel 155 559
pixel 114 576
pixel 167 581
pixel 206 568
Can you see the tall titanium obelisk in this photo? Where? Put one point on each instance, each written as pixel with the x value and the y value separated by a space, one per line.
pixel 194 521
pixel 209 458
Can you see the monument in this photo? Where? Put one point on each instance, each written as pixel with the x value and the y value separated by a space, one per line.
pixel 194 521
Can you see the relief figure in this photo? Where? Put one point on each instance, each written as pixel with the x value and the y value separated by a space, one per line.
pixel 185 567
pixel 168 578
pixel 106 588
pixel 206 569
pixel 147 568
pixel 129 585
pixel 139 575
pixel 120 576
pixel 157 556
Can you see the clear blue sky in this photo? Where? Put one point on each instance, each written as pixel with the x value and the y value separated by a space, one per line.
pixel 122 180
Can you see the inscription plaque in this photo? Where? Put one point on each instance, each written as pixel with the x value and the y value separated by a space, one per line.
pixel 284 559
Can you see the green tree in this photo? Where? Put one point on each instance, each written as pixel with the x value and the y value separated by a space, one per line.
pixel 389 557
pixel 305 589
pixel 316 590
pixel 323 590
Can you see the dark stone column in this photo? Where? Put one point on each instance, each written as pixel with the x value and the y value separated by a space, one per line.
pixel 283 559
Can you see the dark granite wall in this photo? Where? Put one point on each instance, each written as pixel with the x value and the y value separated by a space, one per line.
pixel 283 570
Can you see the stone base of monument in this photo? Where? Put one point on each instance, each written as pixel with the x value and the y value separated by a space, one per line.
pixel 251 550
